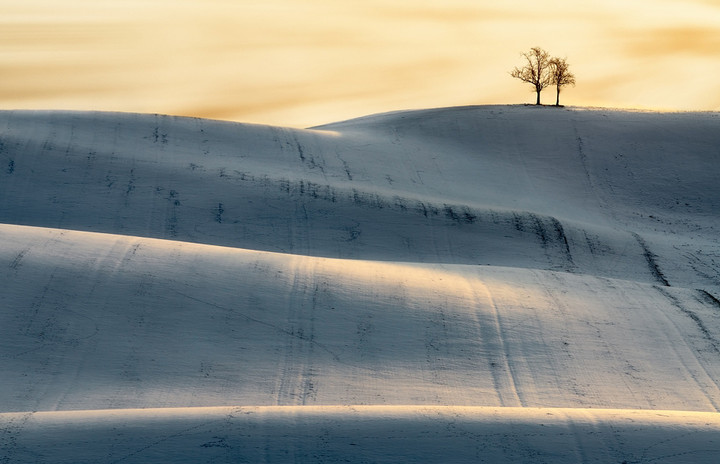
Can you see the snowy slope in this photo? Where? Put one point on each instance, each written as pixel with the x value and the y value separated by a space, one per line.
pixel 475 265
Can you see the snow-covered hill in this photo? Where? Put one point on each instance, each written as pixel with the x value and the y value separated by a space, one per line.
pixel 502 283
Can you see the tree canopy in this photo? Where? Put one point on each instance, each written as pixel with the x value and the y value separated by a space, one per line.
pixel 542 70
pixel 561 75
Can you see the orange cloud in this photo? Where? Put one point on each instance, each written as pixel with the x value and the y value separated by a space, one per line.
pixel 683 40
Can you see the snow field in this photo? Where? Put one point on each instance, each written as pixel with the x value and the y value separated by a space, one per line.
pixel 363 434
pixel 178 288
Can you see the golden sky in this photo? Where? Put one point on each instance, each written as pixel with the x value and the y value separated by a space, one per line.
pixel 305 62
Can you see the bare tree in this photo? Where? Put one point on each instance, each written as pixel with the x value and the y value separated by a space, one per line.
pixel 536 72
pixel 561 75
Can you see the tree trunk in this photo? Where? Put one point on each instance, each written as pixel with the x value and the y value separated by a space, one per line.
pixel 538 98
pixel 557 101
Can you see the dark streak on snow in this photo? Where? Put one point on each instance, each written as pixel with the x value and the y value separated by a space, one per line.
pixel 11 162
pixel 715 344
pixel 463 217
pixel 307 158
pixel 300 151
pixel 427 209
pixel 159 137
pixel 15 264
pixel 539 229
pixel 131 183
pixel 218 213
pixel 353 232
pixel 710 298
pixel 172 221
pixel 560 236
pixel 346 166
pixel 651 259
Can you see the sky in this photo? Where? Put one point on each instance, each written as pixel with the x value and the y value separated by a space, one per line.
pixel 301 63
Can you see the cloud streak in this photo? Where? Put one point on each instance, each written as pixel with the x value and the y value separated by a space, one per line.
pixel 667 42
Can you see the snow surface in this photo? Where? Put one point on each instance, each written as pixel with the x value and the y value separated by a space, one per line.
pixel 474 284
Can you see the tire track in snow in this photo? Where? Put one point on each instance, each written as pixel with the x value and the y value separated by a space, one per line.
pixel 599 338
pixel 294 384
pixel 707 335
pixel 295 377
pixel 592 185
pixel 504 377
pixel 675 302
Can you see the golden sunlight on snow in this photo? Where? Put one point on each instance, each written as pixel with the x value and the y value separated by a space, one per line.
pixel 301 63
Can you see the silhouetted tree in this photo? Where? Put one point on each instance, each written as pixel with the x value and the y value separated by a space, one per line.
pixel 561 75
pixel 536 72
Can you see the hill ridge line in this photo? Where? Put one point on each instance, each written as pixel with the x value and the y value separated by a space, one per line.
pixel 527 411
